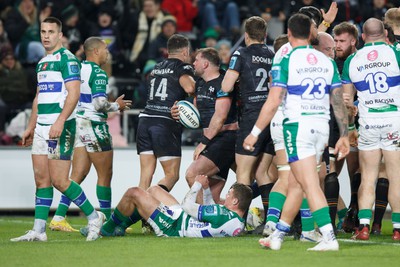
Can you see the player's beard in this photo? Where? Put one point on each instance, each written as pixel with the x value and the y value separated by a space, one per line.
pixel 314 41
pixel 345 53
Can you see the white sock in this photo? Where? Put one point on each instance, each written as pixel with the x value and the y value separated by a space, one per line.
pixel 93 216
pixel 58 218
pixel 39 226
pixel 327 232
pixel 365 221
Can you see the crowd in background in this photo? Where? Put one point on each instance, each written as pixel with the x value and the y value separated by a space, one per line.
pixel 136 32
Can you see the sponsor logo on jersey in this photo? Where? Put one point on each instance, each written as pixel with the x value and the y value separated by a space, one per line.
pixel 373 65
pixel 312 59
pixel 275 72
pixel 100 82
pixel 285 50
pixel 373 55
pixel 210 210
pixel 44 66
pixel 232 63
pixel 378 126
pixel 258 59
pixel 164 222
pixel 73 67
pixel 237 232
pixel 162 71
pixel 42 76
pixel 53 87
pixel 211 89
pixel 312 70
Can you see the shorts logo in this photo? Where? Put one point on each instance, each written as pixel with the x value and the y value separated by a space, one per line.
pixel 289 141
pixel 393 136
pixel 312 59
pixel 237 232
pixel 52 146
pixel 312 131
pixel 373 55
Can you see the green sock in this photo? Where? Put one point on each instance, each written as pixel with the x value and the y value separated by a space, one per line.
pixel 44 197
pixel 322 217
pixel 76 194
pixel 365 214
pixel 104 197
pixel 63 206
pixel 116 218
pixel 307 221
pixel 395 218
pixel 276 201
pixel 341 214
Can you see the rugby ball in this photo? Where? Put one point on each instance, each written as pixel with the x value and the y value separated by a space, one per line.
pixel 189 115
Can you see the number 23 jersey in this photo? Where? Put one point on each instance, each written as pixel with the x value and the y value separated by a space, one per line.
pixel 164 87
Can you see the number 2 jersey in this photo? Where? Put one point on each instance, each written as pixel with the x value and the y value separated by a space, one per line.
pixel 164 87
pixel 375 73
pixel 253 63
pixel 308 76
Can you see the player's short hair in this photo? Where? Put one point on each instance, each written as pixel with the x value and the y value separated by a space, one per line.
pixel 256 28
pixel 176 43
pixel 279 41
pixel 53 20
pixel 211 54
pixel 346 27
pixel 392 17
pixel 92 42
pixel 244 195
pixel 299 25
pixel 313 13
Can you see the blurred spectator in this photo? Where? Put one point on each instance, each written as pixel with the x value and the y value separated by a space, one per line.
pixel 273 12
pixel 22 25
pixel 297 4
pixel 4 42
pixel 91 8
pixel 224 51
pixel 14 92
pixel 158 47
pixel 185 11
pixel 108 31
pixel 374 9
pixel 148 27
pixel 221 15
pixel 76 28
pixel 210 37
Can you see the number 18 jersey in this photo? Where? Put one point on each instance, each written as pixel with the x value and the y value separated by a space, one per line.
pixel 375 73
pixel 309 76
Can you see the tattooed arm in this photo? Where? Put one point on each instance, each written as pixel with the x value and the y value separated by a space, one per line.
pixel 342 147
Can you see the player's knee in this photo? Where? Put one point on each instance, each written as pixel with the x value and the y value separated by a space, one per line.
pixel 189 176
pixel 153 189
pixel 133 192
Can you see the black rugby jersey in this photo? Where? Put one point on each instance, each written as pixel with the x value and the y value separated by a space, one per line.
pixel 164 88
pixel 207 94
pixel 253 63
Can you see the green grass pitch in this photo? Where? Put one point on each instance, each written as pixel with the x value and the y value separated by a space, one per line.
pixel 136 249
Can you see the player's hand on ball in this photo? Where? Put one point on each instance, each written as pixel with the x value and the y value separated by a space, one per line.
pixel 175 111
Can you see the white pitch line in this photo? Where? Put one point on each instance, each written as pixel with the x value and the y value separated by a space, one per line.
pixel 29 222
pixel 368 242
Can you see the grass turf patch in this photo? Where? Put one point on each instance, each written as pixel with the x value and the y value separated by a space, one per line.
pixel 71 249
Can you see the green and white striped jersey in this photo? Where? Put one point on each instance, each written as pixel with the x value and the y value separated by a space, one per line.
pixel 309 76
pixel 375 73
pixel 53 72
pixel 94 84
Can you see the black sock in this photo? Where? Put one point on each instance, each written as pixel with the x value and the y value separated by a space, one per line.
pixel 254 188
pixel 164 187
pixel 355 184
pixel 264 192
pixel 381 199
pixel 332 194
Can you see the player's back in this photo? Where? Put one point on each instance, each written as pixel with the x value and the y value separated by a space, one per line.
pixel 374 71
pixel 164 87
pixel 253 63
pixel 308 76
